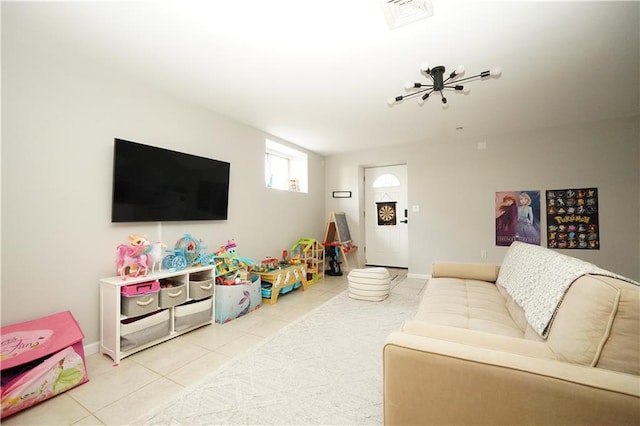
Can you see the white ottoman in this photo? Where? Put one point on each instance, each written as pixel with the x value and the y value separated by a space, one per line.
pixel 371 284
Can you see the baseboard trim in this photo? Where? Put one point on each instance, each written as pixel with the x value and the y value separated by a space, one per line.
pixel 92 348
pixel 419 276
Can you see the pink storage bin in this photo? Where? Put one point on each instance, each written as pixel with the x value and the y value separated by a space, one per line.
pixel 40 359
pixel 140 288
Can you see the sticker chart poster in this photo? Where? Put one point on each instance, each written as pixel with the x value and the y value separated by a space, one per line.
pixel 517 217
pixel 572 219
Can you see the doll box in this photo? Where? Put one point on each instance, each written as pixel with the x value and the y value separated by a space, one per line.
pixel 40 359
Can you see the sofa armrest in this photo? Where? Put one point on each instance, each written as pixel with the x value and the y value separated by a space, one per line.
pixel 471 271
pixel 433 381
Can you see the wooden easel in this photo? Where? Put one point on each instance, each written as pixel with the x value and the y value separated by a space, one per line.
pixel 337 232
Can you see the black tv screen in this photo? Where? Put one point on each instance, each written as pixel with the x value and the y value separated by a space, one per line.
pixel 156 184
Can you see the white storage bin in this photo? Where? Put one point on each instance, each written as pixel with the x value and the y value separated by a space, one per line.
pixel 135 306
pixel 200 288
pixel 172 296
pixel 193 313
pixel 135 332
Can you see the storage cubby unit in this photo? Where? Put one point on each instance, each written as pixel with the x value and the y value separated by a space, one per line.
pixel 153 309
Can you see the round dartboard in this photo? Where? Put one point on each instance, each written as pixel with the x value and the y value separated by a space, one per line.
pixel 386 213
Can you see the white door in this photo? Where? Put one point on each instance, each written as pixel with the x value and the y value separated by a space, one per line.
pixel 386 222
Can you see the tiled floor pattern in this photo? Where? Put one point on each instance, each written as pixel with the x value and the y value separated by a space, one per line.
pixel 116 395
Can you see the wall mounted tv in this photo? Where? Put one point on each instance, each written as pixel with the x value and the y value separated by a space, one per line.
pixel 156 184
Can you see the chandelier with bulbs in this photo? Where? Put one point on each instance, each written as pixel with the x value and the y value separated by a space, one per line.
pixel 439 84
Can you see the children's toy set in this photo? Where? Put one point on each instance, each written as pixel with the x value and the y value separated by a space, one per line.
pixel 137 257
pixel 309 252
pixel 281 280
pixel 252 284
pixel 299 267
pixel 140 256
pixel 237 289
pixel 40 359
pixel 188 251
pixel 228 263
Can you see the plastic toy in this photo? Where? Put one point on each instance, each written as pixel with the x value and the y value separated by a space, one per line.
pixel 187 252
pixel 139 256
pixel 130 261
pixel 231 248
pixel 227 260
pixel 138 245
pixel 154 253
pixel 269 264
pixel 138 241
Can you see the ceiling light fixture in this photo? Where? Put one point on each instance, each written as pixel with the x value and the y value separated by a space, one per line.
pixel 439 84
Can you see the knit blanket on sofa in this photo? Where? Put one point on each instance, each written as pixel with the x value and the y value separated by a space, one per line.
pixel 538 278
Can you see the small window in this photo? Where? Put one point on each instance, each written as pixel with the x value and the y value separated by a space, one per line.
pixel 386 181
pixel 285 168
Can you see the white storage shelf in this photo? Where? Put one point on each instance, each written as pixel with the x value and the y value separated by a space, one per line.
pixel 196 310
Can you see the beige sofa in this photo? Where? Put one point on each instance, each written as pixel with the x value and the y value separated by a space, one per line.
pixel 471 356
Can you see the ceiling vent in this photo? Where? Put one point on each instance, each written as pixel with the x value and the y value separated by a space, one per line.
pixel 403 12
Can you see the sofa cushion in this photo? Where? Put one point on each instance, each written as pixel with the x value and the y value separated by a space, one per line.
pixel 518 316
pixel 621 351
pixel 538 278
pixel 474 338
pixel 472 271
pixel 597 325
pixel 466 303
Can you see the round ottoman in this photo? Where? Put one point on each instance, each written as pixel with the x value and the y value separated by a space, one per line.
pixel 371 284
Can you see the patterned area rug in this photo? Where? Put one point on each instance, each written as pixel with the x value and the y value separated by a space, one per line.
pixel 325 368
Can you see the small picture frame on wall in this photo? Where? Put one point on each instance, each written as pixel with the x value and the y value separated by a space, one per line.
pixel 341 194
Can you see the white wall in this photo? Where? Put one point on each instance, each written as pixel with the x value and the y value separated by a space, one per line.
pixel 60 114
pixel 454 184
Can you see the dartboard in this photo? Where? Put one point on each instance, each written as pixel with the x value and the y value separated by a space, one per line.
pixel 386 213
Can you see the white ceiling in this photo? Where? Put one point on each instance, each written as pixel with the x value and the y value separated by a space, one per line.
pixel 319 73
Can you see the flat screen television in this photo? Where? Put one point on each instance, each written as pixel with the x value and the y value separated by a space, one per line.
pixel 156 184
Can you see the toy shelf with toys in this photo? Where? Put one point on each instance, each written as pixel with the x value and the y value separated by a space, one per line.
pixel 142 307
pixel 139 312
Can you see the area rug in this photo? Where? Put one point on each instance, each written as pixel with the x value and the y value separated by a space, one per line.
pixel 325 368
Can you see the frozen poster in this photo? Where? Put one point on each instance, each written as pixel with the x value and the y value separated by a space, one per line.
pixel 517 217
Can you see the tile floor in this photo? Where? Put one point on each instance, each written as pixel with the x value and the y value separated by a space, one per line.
pixel 117 395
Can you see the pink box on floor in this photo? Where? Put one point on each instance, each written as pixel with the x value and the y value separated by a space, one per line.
pixel 40 359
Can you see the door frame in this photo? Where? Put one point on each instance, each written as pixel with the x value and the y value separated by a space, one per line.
pixel 362 203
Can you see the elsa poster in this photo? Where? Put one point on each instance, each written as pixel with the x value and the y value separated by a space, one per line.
pixel 517 217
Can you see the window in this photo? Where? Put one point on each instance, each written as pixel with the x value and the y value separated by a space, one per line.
pixel 285 168
pixel 386 181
